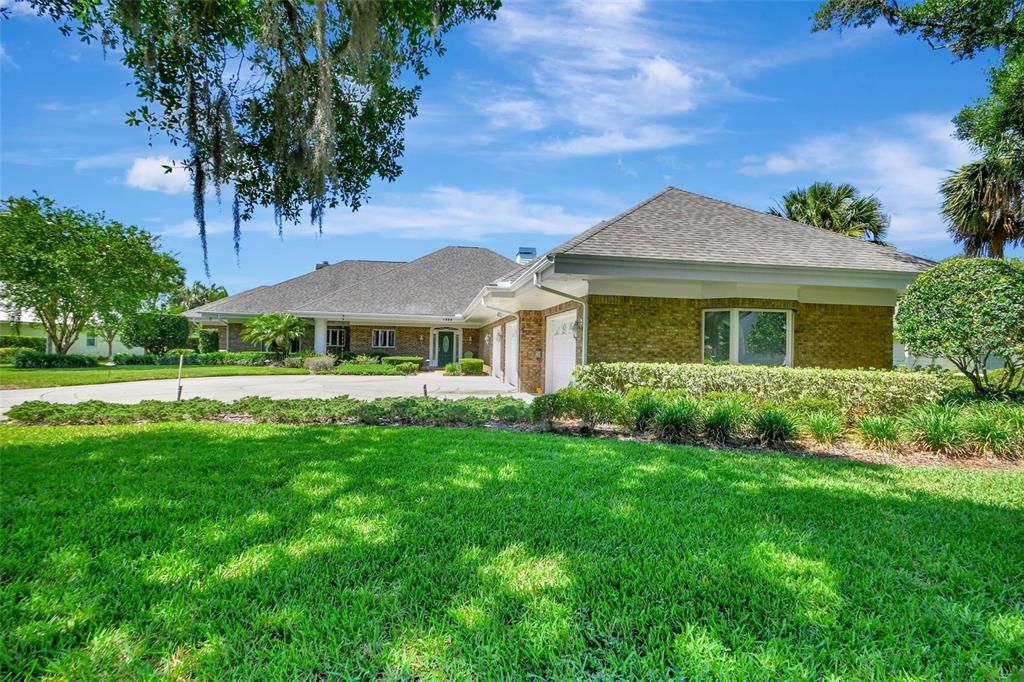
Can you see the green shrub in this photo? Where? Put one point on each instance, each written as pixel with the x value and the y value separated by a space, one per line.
pixel 351 368
pixel 639 410
pixel 321 364
pixel 857 392
pixel 824 426
pixel 880 432
pixel 207 340
pixel 295 361
pixel 247 358
pixel 7 355
pixel 967 310
pixel 802 408
pixel 774 427
pixel 471 366
pixel 590 408
pixel 678 421
pixel 408 367
pixel 27 358
pixel 937 427
pixel 401 360
pixel 180 351
pixel 452 369
pixel 511 411
pixel 546 407
pixel 15 341
pixel 365 359
pixel 725 418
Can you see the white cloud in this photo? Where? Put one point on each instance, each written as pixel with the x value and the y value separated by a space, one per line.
pixel 901 162
pixel 603 71
pixel 6 59
pixel 149 173
pixel 442 212
pixel 18 9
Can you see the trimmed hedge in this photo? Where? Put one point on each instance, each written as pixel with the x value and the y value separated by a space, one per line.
pixel 248 358
pixel 471 366
pixel 354 369
pixel 401 360
pixel 206 340
pixel 14 341
pixel 857 392
pixel 33 359
pixel 339 410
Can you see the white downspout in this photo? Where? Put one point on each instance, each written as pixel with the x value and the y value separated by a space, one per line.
pixel 581 301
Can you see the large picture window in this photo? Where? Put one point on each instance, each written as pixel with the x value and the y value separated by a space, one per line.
pixel 383 338
pixel 748 337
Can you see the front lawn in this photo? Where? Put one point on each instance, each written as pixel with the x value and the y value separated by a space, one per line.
pixel 224 551
pixel 11 377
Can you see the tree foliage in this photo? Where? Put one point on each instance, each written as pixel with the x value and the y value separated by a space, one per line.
pixel 71 268
pixel 293 104
pixel 983 206
pixel 189 296
pixel 968 310
pixel 967 28
pixel 837 208
pixel 274 330
pixel 155 332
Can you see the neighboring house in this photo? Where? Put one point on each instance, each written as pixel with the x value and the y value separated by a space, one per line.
pixel 678 278
pixel 86 343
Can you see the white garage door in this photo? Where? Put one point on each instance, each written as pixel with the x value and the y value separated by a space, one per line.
pixel 512 353
pixel 561 351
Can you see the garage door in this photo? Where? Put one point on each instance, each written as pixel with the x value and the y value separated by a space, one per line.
pixel 561 351
pixel 512 353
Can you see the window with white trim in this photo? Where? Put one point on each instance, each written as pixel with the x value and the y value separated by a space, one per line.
pixel 336 336
pixel 383 338
pixel 748 336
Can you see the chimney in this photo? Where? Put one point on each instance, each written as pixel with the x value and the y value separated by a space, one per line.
pixel 525 255
pixel 322 265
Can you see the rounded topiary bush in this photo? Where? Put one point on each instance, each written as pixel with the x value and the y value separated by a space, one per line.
pixel 968 310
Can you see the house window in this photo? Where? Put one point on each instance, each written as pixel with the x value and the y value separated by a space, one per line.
pixel 383 338
pixel 748 337
pixel 295 346
pixel 336 336
pixel 90 340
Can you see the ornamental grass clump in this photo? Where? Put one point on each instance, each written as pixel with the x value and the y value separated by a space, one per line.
pixel 678 421
pixel 774 427
pixel 938 428
pixel 879 432
pixel 824 427
pixel 725 418
pixel 639 410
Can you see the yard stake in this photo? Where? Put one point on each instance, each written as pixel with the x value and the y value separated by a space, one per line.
pixel 424 390
pixel 181 362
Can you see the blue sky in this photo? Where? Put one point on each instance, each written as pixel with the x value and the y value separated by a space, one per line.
pixel 534 127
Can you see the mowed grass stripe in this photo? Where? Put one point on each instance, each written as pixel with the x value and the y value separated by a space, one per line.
pixel 255 551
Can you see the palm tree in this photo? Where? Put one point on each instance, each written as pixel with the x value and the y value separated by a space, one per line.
pixel 274 330
pixel 837 208
pixel 984 207
pixel 188 297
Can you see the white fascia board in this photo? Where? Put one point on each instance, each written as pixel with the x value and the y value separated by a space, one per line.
pixel 651 269
pixel 346 317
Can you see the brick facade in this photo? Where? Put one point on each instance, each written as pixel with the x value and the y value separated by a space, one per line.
pixel 630 328
pixel 408 340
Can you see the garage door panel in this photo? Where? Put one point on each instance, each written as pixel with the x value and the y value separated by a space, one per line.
pixel 561 350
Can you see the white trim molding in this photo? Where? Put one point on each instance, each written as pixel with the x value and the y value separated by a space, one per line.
pixel 456 352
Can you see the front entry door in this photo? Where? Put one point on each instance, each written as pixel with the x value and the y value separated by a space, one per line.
pixel 445 348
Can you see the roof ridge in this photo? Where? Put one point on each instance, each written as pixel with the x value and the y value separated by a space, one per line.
pixel 604 224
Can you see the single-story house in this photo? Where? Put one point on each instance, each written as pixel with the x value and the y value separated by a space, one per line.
pixel 677 278
pixel 87 342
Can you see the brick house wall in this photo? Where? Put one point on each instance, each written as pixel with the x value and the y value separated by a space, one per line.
pixel 408 340
pixel 639 329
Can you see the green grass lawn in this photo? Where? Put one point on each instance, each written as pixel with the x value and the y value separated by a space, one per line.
pixel 11 377
pixel 251 551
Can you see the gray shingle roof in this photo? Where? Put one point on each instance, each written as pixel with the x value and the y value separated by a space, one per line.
pixel 676 225
pixel 442 283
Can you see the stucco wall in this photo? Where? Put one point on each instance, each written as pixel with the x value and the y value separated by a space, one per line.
pixel 631 328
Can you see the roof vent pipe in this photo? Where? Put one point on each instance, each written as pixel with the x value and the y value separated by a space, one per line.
pixel 525 255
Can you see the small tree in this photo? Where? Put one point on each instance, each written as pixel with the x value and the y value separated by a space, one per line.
pixel 968 310
pixel 155 332
pixel 71 268
pixel 274 330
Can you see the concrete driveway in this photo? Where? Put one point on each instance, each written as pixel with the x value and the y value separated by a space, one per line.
pixel 280 386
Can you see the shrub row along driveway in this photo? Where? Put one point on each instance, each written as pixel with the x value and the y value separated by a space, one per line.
pixel 233 388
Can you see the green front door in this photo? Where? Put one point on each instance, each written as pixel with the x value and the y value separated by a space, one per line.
pixel 445 348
